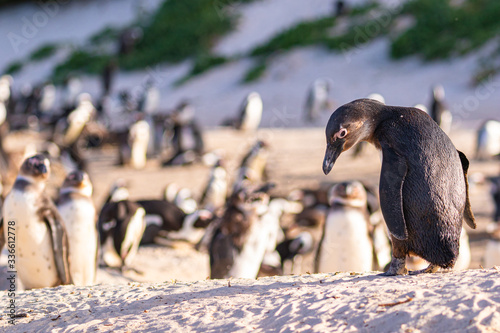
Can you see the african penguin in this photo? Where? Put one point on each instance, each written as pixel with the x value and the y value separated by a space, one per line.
pixel 358 149
pixel 423 187
pixel 79 216
pixel 215 193
pixel 240 240
pixel 121 226
pixel 488 140
pixel 439 110
pixel 253 166
pixel 292 248
pixel 250 113
pixel 345 244
pixel 41 238
pixel 317 99
pixel 138 139
pixel 160 215
pixel 187 140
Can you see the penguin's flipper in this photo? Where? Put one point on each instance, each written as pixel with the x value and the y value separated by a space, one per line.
pixel 394 169
pixel 59 237
pixel 2 235
pixel 468 215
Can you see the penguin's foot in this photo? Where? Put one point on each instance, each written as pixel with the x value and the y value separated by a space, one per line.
pixel 430 269
pixel 397 267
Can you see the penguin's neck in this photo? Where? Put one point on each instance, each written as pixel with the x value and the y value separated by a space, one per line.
pixel 372 121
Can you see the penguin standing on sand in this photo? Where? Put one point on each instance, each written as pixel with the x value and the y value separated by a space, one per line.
pixel 138 139
pixel 439 111
pixel 187 140
pixel 253 166
pixel 317 99
pixel 121 226
pixel 423 188
pixel 345 244
pixel 41 239
pixel 79 216
pixel 488 140
pixel 250 113
pixel 240 240
pixel 215 193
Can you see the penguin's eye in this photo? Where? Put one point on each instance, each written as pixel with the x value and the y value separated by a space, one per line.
pixel 342 133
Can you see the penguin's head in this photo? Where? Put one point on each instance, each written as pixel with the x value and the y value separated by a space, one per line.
pixel 348 194
pixel 348 125
pixel 36 168
pixel 77 181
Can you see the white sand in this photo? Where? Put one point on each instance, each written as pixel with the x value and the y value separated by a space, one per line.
pixel 466 301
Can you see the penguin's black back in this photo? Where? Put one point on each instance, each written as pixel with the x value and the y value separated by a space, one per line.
pixel 434 189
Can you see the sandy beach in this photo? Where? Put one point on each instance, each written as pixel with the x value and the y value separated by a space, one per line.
pixel 466 301
pixel 173 294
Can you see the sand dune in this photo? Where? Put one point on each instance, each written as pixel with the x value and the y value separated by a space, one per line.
pixel 467 301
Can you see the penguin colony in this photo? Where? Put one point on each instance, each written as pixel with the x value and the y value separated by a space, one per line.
pixel 424 194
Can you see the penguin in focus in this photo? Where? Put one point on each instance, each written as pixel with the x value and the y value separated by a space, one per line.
pixel 439 110
pixel 41 238
pixel 121 225
pixel 317 99
pixel 488 140
pixel 79 216
pixel 423 188
pixel 358 149
pixel 345 243
pixel 250 113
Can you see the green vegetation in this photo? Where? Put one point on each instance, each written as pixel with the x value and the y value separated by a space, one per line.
pixel 256 72
pixel 80 62
pixel 303 34
pixel 179 30
pixel 443 30
pixel 43 52
pixel 14 67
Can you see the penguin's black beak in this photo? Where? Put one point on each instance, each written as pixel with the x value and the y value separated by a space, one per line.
pixel 332 153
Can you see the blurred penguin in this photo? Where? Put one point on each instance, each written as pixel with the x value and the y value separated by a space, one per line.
pixel 121 226
pixel 345 244
pixel 138 140
pixel 6 97
pixel 488 140
pixel 72 89
pixel 291 251
pixel 317 99
pixel 253 166
pixel 492 252
pixel 215 193
pixel 240 240
pixel 439 110
pixel 79 216
pixel 495 195
pixel 187 140
pixel 69 130
pixel 250 113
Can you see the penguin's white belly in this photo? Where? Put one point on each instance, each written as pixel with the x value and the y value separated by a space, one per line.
pixel 253 114
pixel 133 236
pixel 79 220
pixel 247 263
pixel 139 147
pixel 492 254
pixel 35 263
pixel 346 245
